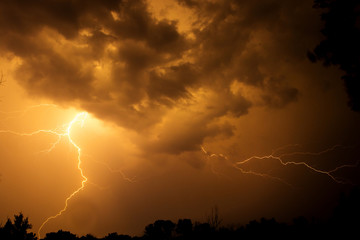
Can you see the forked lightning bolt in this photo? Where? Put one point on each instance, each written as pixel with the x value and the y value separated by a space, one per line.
pixel 280 159
pixel 220 155
pixel 79 118
pixel 61 132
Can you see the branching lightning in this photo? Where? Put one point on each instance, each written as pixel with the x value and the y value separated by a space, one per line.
pixel 220 155
pixel 280 155
pixel 280 159
pixel 61 132
pixel 119 171
pixel 79 118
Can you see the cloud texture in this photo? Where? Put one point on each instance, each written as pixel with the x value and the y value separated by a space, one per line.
pixel 161 79
pixel 118 61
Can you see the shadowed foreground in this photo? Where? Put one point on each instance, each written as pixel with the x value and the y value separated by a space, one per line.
pixel 344 224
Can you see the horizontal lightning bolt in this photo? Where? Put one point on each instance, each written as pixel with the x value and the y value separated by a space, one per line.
pixel 220 155
pixel 280 158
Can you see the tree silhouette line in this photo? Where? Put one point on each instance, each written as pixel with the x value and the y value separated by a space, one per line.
pixel 344 224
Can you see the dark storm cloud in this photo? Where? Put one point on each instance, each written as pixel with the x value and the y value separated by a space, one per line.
pixel 68 17
pixel 341 44
pixel 230 44
pixel 148 69
pixel 171 84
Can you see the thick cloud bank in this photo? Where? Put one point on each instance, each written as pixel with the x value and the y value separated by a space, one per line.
pixel 120 62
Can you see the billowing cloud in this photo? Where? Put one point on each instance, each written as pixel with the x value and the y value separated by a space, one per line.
pixel 180 95
pixel 120 62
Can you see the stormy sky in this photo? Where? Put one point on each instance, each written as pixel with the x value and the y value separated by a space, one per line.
pixel 178 94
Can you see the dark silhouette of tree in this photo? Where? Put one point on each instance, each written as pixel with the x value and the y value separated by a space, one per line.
pixel 184 228
pixel 17 230
pixel 60 235
pixel 264 228
pixel 214 219
pixel 344 224
pixel 161 229
pixel 346 218
pixel 115 236
pixel 88 237
pixel 203 230
pixel 341 44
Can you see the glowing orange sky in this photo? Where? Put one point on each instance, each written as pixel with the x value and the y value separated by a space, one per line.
pixel 179 94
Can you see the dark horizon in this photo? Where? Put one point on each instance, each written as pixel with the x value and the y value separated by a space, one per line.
pixel 116 113
pixel 343 223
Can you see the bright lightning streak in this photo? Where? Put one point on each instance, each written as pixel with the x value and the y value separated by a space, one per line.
pixel 220 155
pixel 60 132
pixel 280 158
pixel 64 131
pixel 79 118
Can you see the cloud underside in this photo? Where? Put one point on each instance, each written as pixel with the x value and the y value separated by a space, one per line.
pixel 118 61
